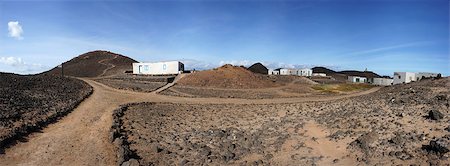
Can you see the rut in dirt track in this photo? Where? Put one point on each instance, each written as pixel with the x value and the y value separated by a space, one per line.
pixel 82 136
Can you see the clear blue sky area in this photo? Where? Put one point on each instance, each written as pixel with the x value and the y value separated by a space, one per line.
pixel 380 35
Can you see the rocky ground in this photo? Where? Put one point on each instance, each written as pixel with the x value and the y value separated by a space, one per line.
pixel 28 103
pixel 135 83
pixel 403 124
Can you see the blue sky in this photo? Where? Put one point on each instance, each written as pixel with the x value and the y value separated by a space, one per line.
pixel 380 35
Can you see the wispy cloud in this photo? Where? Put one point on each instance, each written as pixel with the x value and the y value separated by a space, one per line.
pixel 388 48
pixel 17 65
pixel 15 30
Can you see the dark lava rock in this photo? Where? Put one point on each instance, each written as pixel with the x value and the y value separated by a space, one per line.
pixel 441 145
pixel 435 115
pixel 258 68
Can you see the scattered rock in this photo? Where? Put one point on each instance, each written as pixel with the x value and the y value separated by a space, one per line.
pixel 435 115
pixel 441 145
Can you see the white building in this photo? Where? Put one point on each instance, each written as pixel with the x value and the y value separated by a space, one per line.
pixel 288 71
pixel 159 68
pixel 382 81
pixel 422 75
pixel 404 77
pixel 357 79
pixel 319 74
pixel 305 72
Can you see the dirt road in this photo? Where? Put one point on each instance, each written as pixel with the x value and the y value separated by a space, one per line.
pixel 81 138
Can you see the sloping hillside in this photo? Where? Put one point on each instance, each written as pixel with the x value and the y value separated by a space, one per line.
pixel 227 76
pixel 94 64
pixel 342 75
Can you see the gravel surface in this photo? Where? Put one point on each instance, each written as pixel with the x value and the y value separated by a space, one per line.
pixel 28 103
pixel 395 125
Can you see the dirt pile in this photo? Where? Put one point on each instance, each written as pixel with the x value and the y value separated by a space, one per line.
pixel 30 102
pixel 227 76
pixel 94 64
pixel 258 68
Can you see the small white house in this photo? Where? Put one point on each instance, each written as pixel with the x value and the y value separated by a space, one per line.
pixel 284 71
pixel 422 75
pixel 305 72
pixel 357 79
pixel 319 74
pixel 382 81
pixel 158 68
pixel 404 77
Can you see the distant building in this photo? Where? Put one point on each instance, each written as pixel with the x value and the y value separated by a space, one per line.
pixel 284 71
pixel 305 72
pixel 422 75
pixel 357 79
pixel 382 81
pixel 159 68
pixel 319 74
pixel 404 77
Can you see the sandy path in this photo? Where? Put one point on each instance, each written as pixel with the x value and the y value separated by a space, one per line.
pixel 107 64
pixel 81 138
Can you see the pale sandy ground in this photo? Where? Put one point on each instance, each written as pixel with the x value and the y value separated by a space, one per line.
pixel 81 138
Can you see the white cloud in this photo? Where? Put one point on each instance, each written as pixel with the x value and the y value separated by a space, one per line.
pixel 12 61
pixel 17 65
pixel 15 30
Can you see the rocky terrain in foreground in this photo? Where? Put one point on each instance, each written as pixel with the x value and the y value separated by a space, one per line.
pixel 28 103
pixel 136 82
pixel 404 124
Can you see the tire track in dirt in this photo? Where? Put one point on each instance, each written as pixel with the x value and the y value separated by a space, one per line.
pixel 81 138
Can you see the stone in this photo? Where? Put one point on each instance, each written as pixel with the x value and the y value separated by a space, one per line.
pixel 131 162
pixel 435 115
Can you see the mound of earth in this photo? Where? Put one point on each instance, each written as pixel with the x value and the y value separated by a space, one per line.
pixel 30 102
pixel 95 64
pixel 227 76
pixel 258 68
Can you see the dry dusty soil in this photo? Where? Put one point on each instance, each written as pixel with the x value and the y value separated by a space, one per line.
pixel 403 124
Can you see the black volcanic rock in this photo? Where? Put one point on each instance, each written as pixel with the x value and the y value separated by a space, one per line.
pixel 258 68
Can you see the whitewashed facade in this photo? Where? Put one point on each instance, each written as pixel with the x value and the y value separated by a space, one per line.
pixel 158 68
pixel 357 79
pixel 319 74
pixel 305 72
pixel 382 81
pixel 404 77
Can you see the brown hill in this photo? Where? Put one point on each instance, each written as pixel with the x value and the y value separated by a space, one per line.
pixel 95 64
pixel 227 76
pixel 340 77
pixel 258 68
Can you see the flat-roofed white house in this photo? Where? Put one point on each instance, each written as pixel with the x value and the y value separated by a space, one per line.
pixel 158 68
pixel 421 75
pixel 284 71
pixel 357 79
pixel 305 72
pixel 383 81
pixel 404 77
pixel 319 74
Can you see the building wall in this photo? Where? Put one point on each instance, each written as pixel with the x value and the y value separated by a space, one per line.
pixel 319 74
pixel 158 68
pixel 420 75
pixel 305 72
pixel 382 81
pixel 288 72
pixel 404 77
pixel 356 79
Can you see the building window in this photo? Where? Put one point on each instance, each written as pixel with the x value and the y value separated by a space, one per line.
pixel 357 79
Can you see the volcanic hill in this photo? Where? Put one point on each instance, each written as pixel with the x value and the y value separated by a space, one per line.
pixel 258 68
pixel 95 64
pixel 227 76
